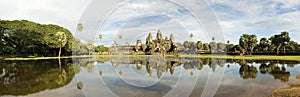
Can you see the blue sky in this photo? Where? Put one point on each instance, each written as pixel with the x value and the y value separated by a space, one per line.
pixel 235 17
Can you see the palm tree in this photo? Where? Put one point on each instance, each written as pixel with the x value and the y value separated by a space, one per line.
pixel 90 45
pixel 62 38
pixel 213 39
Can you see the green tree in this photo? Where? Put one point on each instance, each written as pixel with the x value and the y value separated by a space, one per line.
pixel 221 47
pixel 199 45
pixel 264 44
pixel 62 38
pixel 280 40
pixel 206 47
pixel 101 49
pixel 213 47
pixel 90 45
pixel 24 37
pixel 247 43
pixel 292 45
pixel 78 47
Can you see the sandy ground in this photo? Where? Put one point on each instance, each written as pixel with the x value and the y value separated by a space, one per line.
pixel 292 91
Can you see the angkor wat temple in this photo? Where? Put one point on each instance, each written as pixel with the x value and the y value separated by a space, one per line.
pixel 156 46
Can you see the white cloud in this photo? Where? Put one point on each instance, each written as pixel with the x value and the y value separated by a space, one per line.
pixel 263 18
pixel 65 13
pixel 236 17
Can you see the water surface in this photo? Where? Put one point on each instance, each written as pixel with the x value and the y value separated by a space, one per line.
pixel 145 77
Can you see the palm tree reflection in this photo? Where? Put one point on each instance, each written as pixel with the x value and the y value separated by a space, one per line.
pixel 274 70
pixel 246 70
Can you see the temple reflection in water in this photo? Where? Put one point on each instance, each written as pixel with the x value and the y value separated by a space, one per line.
pixel 247 70
pixel 28 77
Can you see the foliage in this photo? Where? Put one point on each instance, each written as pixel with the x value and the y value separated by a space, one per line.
pixel 27 77
pixel 280 40
pixel 213 46
pixel 101 48
pixel 247 43
pixel 199 45
pixel 22 37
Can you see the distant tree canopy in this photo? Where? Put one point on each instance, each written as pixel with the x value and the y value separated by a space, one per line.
pixel 249 44
pixel 26 38
pixel 22 37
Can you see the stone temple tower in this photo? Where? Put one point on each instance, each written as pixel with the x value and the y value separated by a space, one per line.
pixel 172 38
pixel 158 36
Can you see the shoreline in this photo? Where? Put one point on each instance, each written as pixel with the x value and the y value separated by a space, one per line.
pixel 246 57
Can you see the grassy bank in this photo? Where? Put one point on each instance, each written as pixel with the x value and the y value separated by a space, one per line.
pixel 248 57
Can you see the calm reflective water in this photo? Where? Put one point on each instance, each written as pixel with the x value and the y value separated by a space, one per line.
pixel 145 77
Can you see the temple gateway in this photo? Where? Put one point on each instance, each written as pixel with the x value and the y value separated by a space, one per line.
pixel 157 46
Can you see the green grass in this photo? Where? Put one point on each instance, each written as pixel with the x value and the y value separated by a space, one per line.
pixel 247 57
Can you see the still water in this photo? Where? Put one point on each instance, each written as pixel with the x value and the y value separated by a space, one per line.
pixel 145 77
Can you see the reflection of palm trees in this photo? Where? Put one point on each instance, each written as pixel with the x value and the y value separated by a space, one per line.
pixel 275 71
pixel 200 65
pixel 90 67
pixel 221 62
pixel 280 74
pixel 263 68
pixel 28 77
pixel 247 72
pixel 62 77
pixel 213 64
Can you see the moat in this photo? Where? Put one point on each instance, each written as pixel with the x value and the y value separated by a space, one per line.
pixel 144 77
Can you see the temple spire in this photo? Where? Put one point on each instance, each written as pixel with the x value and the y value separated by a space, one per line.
pixel 158 35
pixel 172 38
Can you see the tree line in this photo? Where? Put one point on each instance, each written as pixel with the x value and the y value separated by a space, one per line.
pixel 27 38
pixel 248 45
